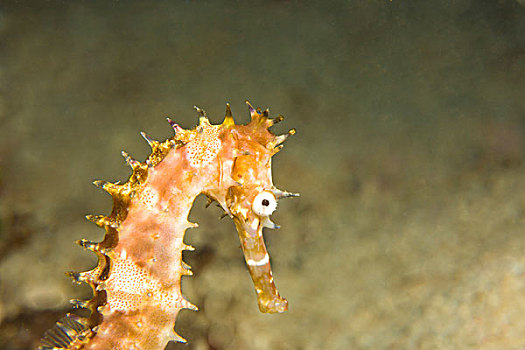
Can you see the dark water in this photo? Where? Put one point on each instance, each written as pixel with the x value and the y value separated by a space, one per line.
pixel 409 155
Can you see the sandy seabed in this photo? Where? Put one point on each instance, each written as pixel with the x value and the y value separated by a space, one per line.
pixel 409 157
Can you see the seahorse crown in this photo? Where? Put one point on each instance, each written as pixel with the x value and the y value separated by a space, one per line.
pixel 136 283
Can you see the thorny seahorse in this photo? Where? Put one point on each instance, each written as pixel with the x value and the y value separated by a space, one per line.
pixel 137 281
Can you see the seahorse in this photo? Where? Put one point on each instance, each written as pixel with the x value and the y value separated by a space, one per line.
pixel 137 281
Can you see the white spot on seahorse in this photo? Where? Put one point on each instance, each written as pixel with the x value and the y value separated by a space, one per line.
pixel 204 147
pixel 255 224
pixel 149 197
pixel 261 262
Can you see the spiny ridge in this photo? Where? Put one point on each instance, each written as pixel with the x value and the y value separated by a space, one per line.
pixel 277 119
pixel 187 305
pixel 186 269
pixel 258 117
pixel 283 194
pixel 101 220
pixel 201 112
pixel 228 117
pixel 175 126
pixel 150 140
pixel 173 336
pixel 79 277
pixel 253 112
pixel 261 124
pixel 130 161
pixel 78 303
pixel 159 150
pixel 93 246
pixel 281 138
pixel 111 188
pixel 188 247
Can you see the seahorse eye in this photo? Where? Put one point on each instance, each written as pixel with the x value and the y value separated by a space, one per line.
pixel 264 204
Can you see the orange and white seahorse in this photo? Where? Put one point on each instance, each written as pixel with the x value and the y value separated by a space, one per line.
pixel 137 282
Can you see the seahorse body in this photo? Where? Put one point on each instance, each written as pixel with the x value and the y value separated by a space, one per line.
pixel 136 284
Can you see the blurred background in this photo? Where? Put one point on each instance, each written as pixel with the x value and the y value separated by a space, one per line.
pixel 409 157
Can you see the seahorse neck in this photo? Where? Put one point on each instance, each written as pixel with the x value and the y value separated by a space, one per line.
pixel 153 232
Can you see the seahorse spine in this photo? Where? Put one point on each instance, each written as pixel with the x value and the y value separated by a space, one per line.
pixel 136 283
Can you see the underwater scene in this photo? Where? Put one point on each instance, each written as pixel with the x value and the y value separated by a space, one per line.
pixel 407 149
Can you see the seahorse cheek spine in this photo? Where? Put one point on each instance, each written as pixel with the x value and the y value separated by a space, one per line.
pixel 137 291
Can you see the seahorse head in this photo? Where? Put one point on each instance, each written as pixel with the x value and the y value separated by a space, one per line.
pixel 254 198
